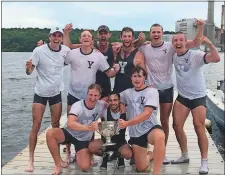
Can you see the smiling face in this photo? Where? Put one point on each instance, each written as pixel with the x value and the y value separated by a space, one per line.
pixel 56 38
pixel 103 37
pixel 156 34
pixel 114 102
pixel 86 38
pixel 179 42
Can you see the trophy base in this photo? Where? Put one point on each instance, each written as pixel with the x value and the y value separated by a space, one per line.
pixel 108 144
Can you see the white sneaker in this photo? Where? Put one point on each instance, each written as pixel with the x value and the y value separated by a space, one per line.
pixel 204 167
pixel 166 161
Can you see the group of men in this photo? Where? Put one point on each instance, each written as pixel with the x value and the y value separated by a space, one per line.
pixel 143 83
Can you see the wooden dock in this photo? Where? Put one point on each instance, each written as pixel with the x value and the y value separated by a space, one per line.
pixel 44 163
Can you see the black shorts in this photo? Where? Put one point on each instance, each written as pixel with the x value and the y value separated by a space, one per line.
pixel 71 99
pixel 142 141
pixel 192 104
pixel 166 96
pixel 51 100
pixel 69 139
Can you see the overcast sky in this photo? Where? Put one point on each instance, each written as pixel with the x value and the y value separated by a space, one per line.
pixel 138 15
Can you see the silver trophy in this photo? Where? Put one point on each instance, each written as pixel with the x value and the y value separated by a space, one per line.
pixel 108 129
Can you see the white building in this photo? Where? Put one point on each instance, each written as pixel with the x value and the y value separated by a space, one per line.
pixel 187 26
pixel 168 37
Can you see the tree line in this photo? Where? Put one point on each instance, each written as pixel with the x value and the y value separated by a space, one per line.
pixel 25 39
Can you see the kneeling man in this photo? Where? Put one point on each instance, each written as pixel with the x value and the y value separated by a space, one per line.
pixel 142 103
pixel 79 129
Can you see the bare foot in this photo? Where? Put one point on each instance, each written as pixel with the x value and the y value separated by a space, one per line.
pixel 30 167
pixel 150 155
pixel 57 170
pixel 64 164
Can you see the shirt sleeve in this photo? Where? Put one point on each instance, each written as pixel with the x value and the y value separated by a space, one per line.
pixel 35 57
pixel 152 99
pixel 123 97
pixel 68 57
pixel 199 58
pixel 76 109
pixel 103 64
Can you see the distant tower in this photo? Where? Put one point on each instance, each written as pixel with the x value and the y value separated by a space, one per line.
pixel 210 21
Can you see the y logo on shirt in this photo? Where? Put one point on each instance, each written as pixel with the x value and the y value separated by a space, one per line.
pixel 165 51
pixel 122 66
pixel 142 100
pixel 90 64
pixel 94 116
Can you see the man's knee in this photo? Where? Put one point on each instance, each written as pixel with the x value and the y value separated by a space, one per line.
pixel 36 126
pixel 50 133
pixel 177 128
pixel 126 153
pixel 160 137
pixel 55 124
pixel 84 166
pixel 94 146
pixel 199 127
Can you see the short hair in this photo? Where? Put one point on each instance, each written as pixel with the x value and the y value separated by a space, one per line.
pixel 114 93
pixel 156 25
pixel 88 31
pixel 138 69
pixel 180 32
pixel 95 86
pixel 127 29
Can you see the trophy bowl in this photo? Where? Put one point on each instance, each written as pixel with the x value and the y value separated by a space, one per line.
pixel 108 129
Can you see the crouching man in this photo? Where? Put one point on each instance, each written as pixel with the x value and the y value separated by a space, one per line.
pixel 113 113
pixel 79 129
pixel 142 103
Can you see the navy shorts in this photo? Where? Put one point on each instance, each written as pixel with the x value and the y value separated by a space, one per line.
pixel 69 139
pixel 166 96
pixel 192 104
pixel 142 141
pixel 51 100
pixel 71 100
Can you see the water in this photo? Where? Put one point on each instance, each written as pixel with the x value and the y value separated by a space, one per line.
pixel 17 97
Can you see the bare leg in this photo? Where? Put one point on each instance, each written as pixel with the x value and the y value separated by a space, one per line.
pixel 180 114
pixel 37 113
pixel 84 159
pixel 68 145
pixel 199 115
pixel 165 110
pixel 54 137
pixel 157 138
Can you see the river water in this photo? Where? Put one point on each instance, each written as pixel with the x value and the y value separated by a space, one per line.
pixel 17 97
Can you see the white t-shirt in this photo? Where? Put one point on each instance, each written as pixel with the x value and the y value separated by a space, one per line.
pixel 136 101
pixel 49 65
pixel 83 70
pixel 159 65
pixel 85 116
pixel 189 74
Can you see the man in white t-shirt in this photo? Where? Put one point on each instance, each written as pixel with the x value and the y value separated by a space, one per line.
pixel 48 60
pixel 81 124
pixel 159 64
pixel 142 105
pixel 191 95
pixel 85 62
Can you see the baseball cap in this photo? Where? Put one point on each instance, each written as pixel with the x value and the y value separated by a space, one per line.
pixel 56 29
pixel 103 27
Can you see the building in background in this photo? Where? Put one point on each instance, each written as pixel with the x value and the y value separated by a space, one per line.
pixel 168 37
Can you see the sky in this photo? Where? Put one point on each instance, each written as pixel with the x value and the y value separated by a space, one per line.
pixel 138 15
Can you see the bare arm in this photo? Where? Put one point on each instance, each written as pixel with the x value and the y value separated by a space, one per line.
pixel 139 60
pixel 213 55
pixel 141 117
pixel 74 125
pixel 196 42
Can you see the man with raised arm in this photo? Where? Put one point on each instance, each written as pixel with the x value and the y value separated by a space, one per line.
pixel 85 62
pixel 159 64
pixel 191 95
pixel 48 60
